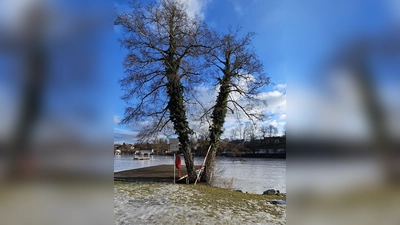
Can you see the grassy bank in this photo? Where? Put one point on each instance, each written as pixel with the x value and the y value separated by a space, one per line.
pixel 199 202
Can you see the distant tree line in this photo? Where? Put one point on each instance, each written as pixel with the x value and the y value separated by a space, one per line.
pixel 248 143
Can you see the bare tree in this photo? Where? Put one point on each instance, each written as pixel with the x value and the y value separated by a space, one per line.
pixel 233 134
pixel 242 80
pixel 284 130
pixel 271 131
pixel 250 129
pixel 264 131
pixel 241 131
pixel 160 66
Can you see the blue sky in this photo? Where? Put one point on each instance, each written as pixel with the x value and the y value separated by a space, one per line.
pixel 296 41
pixel 325 100
pixel 265 18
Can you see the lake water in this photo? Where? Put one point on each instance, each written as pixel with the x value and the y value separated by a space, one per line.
pixel 254 175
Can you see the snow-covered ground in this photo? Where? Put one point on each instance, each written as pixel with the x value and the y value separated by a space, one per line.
pixel 163 203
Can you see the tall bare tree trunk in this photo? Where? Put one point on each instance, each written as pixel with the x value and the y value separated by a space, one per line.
pixel 216 130
pixel 176 104
pixel 181 126
pixel 242 74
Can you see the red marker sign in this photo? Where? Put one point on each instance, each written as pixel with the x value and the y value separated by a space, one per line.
pixel 178 163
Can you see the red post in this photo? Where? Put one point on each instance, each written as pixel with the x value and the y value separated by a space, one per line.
pixel 178 163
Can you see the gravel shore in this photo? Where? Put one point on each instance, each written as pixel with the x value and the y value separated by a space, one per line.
pixel 164 203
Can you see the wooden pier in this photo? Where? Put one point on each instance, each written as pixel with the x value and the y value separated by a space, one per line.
pixel 161 173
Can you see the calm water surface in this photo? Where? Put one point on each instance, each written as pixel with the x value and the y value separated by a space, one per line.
pixel 248 174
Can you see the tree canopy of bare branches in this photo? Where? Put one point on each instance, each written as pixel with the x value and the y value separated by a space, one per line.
pixel 161 64
pixel 169 53
pixel 242 80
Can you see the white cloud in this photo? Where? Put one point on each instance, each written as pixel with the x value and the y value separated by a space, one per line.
pixel 273 123
pixel 282 117
pixel 116 119
pixel 276 101
pixel 280 87
pixel 274 94
pixel 196 7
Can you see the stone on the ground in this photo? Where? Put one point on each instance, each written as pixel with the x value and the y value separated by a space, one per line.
pixel 269 192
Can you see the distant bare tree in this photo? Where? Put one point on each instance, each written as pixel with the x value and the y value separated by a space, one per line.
pixel 284 130
pixel 161 65
pixel 240 131
pixel 250 131
pixel 271 131
pixel 264 131
pixel 233 134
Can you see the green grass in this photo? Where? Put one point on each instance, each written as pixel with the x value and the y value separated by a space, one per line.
pixel 132 188
pixel 209 199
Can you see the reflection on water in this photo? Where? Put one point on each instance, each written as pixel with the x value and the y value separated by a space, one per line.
pixel 248 174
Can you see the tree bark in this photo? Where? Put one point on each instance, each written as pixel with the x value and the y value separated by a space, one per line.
pixel 218 118
pixel 181 126
pixel 176 104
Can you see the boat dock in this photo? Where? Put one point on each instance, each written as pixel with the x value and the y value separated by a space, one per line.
pixel 141 158
pixel 160 173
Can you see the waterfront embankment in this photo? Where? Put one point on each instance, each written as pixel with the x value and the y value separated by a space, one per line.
pixel 167 203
